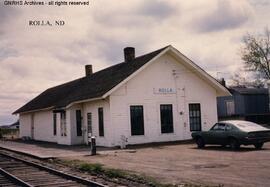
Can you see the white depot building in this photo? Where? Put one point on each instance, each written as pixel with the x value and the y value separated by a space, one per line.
pixel 157 97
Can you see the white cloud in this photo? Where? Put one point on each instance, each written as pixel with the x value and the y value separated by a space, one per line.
pixel 35 58
pixel 226 14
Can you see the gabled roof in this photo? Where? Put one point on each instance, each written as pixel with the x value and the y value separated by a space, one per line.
pixel 249 91
pixel 17 123
pixel 102 83
pixel 93 86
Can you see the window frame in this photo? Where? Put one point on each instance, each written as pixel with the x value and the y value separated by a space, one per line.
pixel 63 123
pixel 55 124
pixel 198 118
pixel 134 127
pixel 79 122
pixel 230 107
pixel 101 122
pixel 166 128
pixel 89 122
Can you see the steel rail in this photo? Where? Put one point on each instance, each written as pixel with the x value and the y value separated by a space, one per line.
pixel 50 170
pixel 14 179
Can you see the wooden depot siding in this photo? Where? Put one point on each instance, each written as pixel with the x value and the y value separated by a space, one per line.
pixel 163 77
pixel 140 91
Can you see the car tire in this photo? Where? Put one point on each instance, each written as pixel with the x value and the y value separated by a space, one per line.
pixel 200 142
pixel 258 145
pixel 234 144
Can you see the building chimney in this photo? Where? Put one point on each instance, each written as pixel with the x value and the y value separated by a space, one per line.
pixel 223 82
pixel 88 70
pixel 129 53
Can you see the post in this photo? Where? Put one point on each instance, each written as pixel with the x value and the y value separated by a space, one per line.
pixel 268 85
pixel 93 146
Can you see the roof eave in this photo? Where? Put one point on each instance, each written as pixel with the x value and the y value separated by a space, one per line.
pixel 83 101
pixel 30 111
pixel 220 89
pixel 68 106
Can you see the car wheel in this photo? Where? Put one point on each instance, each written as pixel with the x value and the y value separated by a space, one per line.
pixel 200 142
pixel 234 144
pixel 258 145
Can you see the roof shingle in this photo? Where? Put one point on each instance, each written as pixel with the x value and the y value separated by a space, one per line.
pixel 93 86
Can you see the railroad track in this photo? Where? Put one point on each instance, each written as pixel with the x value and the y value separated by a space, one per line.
pixel 5 181
pixel 19 172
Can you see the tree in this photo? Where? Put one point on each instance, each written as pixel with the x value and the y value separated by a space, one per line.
pixel 256 53
pixel 238 79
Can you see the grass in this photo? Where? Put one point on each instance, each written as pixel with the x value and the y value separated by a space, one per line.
pixel 91 168
pixel 110 173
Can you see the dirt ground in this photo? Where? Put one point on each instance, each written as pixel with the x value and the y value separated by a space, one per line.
pixel 176 164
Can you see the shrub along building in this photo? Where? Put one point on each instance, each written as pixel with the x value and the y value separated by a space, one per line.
pixel 161 96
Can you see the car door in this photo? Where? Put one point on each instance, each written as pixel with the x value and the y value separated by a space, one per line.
pixel 217 135
pixel 230 131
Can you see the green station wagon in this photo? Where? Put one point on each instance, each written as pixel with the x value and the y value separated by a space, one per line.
pixel 234 133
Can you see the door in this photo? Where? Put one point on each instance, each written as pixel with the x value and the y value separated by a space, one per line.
pixel 32 125
pixel 217 135
pixel 89 126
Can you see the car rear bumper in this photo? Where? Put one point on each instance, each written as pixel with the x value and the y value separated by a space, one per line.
pixel 248 141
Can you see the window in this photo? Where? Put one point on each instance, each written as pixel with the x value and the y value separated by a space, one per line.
pixel 166 118
pixel 219 127
pixel 54 124
pixel 100 122
pixel 229 127
pixel 136 120
pixel 230 108
pixel 63 123
pixel 79 122
pixel 195 117
pixel 89 123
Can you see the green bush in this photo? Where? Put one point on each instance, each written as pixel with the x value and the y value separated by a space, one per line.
pixel 114 173
pixel 92 168
pixel 98 169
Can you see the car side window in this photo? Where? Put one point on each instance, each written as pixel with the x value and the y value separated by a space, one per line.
pixel 219 127
pixel 222 127
pixel 228 127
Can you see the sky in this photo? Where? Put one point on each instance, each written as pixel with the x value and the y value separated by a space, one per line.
pixel 34 58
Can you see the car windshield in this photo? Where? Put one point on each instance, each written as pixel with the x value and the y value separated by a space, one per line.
pixel 249 126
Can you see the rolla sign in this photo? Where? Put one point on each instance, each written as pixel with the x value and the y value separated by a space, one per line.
pixel 164 91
